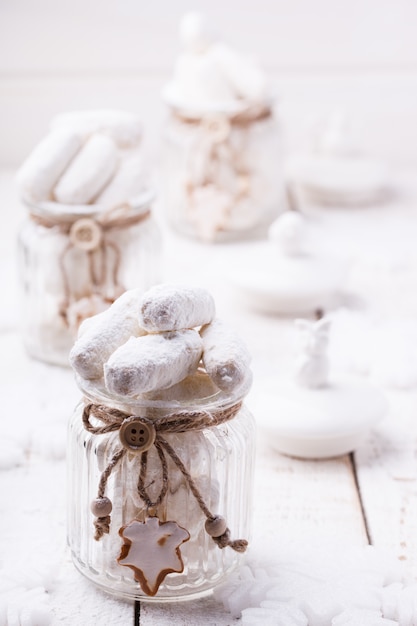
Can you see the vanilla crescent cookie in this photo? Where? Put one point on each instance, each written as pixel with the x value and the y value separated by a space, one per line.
pixel 41 170
pixel 123 127
pixel 225 356
pixel 152 362
pixel 89 172
pixel 101 335
pixel 127 183
pixel 175 307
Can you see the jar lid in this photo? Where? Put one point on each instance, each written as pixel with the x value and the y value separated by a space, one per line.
pixel 57 212
pixel 227 108
pixel 194 392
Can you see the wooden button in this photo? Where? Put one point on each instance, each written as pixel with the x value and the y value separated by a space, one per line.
pixel 137 435
pixel 218 128
pixel 86 234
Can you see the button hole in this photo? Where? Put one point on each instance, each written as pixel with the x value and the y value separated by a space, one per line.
pixel 141 432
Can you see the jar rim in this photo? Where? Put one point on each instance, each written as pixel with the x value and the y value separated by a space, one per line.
pixel 96 392
pixel 63 212
pixel 227 108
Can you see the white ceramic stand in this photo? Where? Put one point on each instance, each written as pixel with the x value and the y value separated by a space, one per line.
pixel 284 276
pixel 317 423
pixel 337 172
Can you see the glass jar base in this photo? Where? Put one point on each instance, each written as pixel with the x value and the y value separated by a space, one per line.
pixel 118 589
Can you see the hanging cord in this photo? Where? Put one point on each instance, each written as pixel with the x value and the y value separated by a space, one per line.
pixel 122 217
pixel 183 421
pixel 213 141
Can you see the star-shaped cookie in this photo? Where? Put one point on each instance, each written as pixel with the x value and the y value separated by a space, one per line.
pixel 152 550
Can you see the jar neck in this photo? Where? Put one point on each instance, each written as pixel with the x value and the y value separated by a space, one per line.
pixel 202 398
pixel 247 115
pixel 50 214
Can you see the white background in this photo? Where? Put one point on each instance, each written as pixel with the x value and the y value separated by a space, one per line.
pixel 359 55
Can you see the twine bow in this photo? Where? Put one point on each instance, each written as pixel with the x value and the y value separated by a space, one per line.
pixel 114 420
pixel 90 235
pixel 214 151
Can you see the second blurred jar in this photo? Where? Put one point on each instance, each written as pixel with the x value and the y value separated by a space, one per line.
pixel 75 264
pixel 221 173
pixel 89 235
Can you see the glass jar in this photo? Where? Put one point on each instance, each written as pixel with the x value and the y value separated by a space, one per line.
pixel 222 173
pixel 74 261
pixel 209 471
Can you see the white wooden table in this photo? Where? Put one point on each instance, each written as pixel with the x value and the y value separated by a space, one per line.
pixel 366 497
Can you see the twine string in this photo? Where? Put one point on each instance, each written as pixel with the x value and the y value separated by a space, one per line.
pixel 219 150
pixel 120 218
pixel 193 487
pixel 65 282
pixel 183 421
pixel 142 476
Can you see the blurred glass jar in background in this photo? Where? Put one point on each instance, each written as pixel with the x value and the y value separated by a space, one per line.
pixel 221 170
pixel 73 265
pixel 221 173
pixel 89 235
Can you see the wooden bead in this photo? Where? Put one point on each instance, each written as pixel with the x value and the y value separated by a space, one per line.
pixel 101 507
pixel 216 527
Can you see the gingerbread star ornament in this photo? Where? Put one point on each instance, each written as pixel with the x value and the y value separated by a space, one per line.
pixel 152 550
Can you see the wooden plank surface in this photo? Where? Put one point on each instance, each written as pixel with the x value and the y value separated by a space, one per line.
pixel 296 502
pixel 387 475
pixel 316 501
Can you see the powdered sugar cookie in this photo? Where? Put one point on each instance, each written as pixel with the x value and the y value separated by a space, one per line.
pixel 152 362
pixel 175 307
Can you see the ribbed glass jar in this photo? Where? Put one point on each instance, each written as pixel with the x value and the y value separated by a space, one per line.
pixel 220 461
pixel 222 174
pixel 74 261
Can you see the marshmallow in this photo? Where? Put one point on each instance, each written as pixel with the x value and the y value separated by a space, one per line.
pixel 197 80
pixel 123 127
pixel 198 385
pixel 89 172
pixel 41 170
pixel 210 75
pixel 127 183
pixel 225 356
pixel 175 307
pixel 102 334
pixel 244 75
pixel 85 308
pixel 152 362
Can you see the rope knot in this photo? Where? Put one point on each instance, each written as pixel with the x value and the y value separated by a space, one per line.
pixel 137 435
pixel 103 256
pixel 102 526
